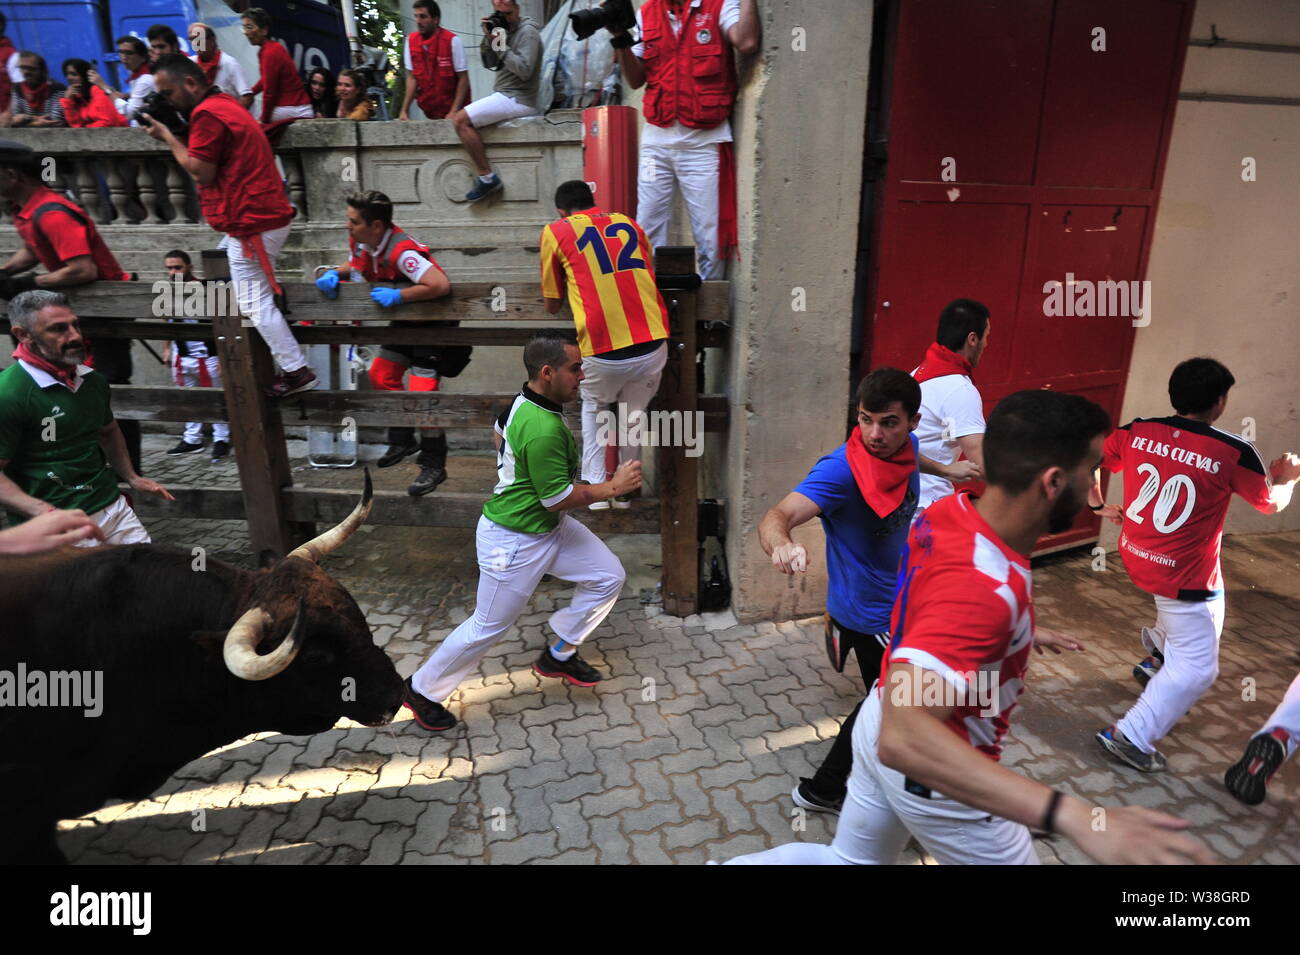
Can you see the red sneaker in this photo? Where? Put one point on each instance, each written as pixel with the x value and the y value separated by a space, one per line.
pixel 290 383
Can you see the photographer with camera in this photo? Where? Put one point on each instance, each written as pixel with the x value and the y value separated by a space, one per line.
pixel 684 59
pixel 241 194
pixel 512 46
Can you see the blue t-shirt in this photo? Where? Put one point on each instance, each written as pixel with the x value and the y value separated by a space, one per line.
pixel 862 549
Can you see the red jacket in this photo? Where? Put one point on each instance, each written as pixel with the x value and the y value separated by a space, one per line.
pixel 95 112
pixel 247 197
pixel 690 77
pixel 7 49
pixel 280 84
pixel 56 229
pixel 435 76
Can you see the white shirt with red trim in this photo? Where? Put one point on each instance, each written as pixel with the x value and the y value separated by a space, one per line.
pixel 964 614
pixel 1179 477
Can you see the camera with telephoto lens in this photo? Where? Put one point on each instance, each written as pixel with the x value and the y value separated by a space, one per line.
pixel 497 19
pixel 613 15
pixel 157 108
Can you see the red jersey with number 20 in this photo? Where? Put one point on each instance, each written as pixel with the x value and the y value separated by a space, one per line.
pixel 965 612
pixel 1179 477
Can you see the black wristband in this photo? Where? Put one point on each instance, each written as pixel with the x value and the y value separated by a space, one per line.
pixel 621 41
pixel 1049 817
pixel 1097 509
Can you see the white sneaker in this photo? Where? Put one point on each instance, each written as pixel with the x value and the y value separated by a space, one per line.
pixel 598 506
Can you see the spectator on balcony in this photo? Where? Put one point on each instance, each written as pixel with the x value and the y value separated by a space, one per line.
pixel 133 53
pixel 10 75
pixel 36 101
pixel 283 95
pixel 437 75
pixel 241 194
pixel 515 53
pixel 86 106
pixel 320 90
pixel 57 234
pixel 353 103
pixel 221 69
pixel 163 41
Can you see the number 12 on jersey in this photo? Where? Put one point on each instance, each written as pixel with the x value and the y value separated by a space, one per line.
pixel 627 257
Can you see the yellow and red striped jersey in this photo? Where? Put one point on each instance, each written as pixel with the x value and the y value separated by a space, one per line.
pixel 605 260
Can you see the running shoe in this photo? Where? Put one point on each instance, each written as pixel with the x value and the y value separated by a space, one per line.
pixel 1248 776
pixel 576 670
pixel 1114 742
pixel 805 798
pixel 432 716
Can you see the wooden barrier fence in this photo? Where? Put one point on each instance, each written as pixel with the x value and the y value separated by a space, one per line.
pixel 280 516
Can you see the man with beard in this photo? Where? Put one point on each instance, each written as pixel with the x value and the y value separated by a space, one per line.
pixel 36 101
pixel 928 738
pixel 241 194
pixel 1180 474
pixel 59 444
pixel 865 493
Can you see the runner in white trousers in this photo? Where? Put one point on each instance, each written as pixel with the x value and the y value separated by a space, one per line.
pixel 524 533
pixel 1267 750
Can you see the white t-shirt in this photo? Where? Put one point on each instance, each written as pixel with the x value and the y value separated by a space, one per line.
pixel 678 136
pixel 230 75
pixel 458 63
pixel 950 409
pixel 140 87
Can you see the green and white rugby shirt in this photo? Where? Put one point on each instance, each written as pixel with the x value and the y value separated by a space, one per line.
pixel 536 465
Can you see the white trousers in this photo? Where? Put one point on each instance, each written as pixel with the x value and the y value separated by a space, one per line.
pixel 302 111
pixel 1187 633
pixel 119 524
pixel 510 566
pixel 631 384
pixel 257 301
pixel 879 814
pixel 1287 716
pixel 188 371
pixel 695 170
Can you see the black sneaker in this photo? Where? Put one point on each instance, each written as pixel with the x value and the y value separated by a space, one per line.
pixel 1248 778
pixel 186 448
pixel 397 453
pixel 220 449
pixel 432 716
pixel 805 798
pixel 429 479
pixel 292 382
pixel 575 669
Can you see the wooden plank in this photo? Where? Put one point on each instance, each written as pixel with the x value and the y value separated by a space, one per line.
pixel 366 408
pixel 678 473
pixel 257 437
pixel 328 506
pixel 469 301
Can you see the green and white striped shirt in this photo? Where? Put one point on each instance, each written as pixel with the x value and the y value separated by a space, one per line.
pixel 536 465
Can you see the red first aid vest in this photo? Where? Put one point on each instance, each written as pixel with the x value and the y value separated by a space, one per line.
pixel 690 77
pixel 6 85
pixel 435 77
pixel 35 229
pixel 247 197
pixel 386 269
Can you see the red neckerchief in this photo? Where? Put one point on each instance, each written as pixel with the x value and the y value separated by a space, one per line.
pixel 882 482
pixel 62 373
pixel 940 361
pixel 37 97
pixel 210 71
pixel 140 71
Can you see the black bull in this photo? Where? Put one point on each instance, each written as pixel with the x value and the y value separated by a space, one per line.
pixel 191 660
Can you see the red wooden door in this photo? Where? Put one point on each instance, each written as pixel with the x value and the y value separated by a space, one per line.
pixel 1018 155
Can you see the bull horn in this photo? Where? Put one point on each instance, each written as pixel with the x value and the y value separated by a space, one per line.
pixel 240 647
pixel 320 546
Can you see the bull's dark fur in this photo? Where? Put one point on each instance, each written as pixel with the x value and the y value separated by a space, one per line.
pixel 155 626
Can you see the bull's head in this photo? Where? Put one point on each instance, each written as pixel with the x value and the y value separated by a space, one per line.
pixel 328 641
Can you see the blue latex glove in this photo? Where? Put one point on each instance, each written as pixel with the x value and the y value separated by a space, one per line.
pixel 387 297
pixel 329 283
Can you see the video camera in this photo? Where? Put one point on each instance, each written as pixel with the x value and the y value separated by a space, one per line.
pixel 613 15
pixel 497 19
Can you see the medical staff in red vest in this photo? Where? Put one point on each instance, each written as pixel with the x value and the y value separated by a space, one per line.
pixel 240 194
pixel 683 59
pixel 382 252
pixel 437 74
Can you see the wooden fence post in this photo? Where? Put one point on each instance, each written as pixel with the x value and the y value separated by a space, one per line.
pixel 678 474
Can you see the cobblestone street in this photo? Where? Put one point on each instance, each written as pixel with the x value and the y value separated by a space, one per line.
pixel 689 749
